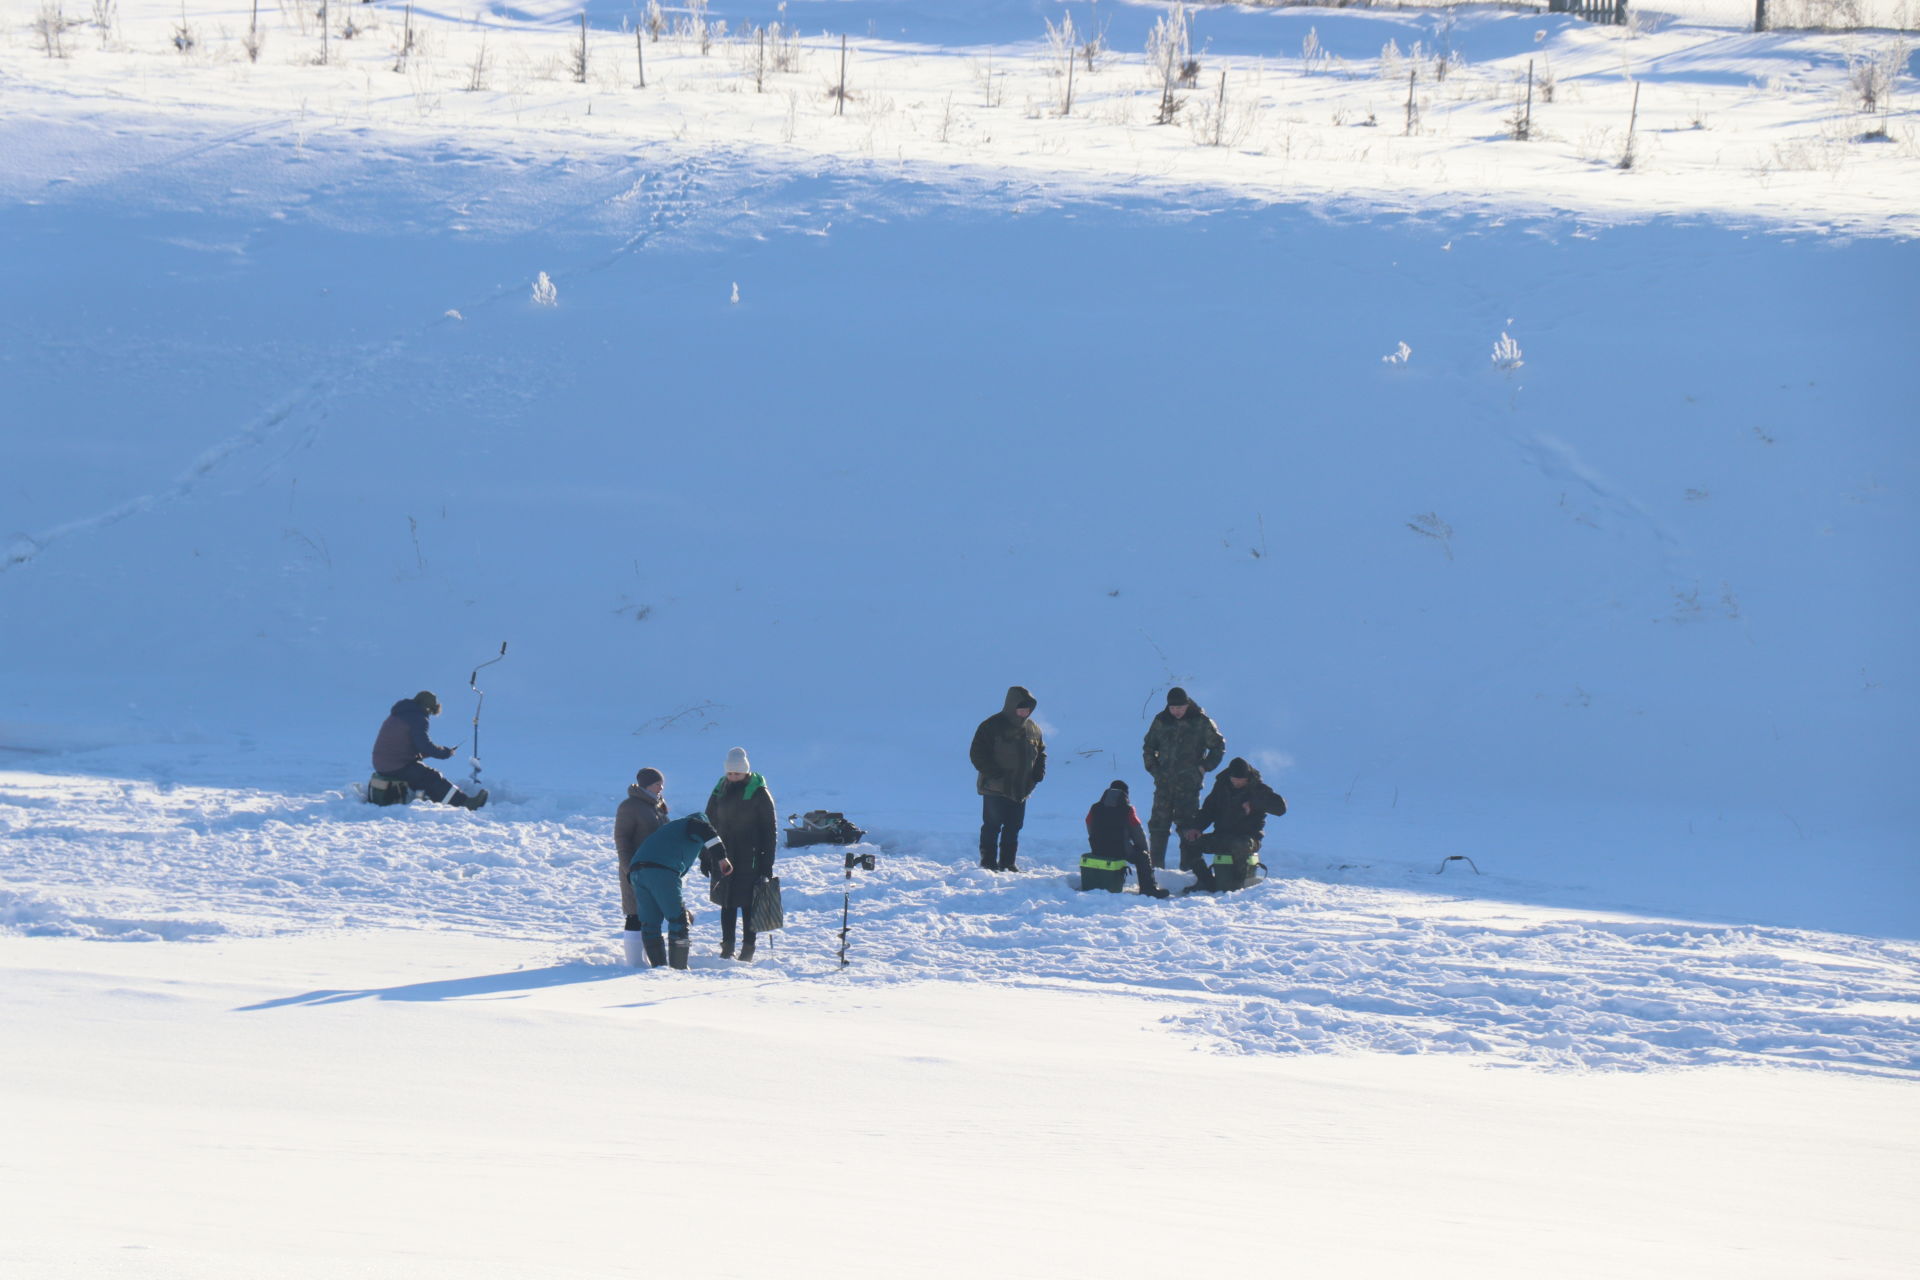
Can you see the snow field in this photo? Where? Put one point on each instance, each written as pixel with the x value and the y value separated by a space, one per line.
pixel 433 1104
pixel 1318 959
pixel 837 425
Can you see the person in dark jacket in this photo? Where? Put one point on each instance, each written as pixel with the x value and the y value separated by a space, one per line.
pixel 660 862
pixel 1183 746
pixel 403 742
pixel 641 814
pixel 1113 832
pixel 1237 810
pixel 742 812
pixel 1009 753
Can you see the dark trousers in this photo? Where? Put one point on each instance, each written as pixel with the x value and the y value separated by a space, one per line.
pixel 1244 850
pixel 1001 818
pixel 429 781
pixel 1142 862
pixel 728 918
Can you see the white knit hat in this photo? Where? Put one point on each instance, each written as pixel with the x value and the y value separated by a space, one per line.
pixel 737 761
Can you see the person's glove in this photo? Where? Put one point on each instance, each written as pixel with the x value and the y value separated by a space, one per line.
pixel 445 753
pixel 633 924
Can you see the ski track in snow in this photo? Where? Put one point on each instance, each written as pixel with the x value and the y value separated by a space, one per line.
pixel 662 198
pixel 1294 965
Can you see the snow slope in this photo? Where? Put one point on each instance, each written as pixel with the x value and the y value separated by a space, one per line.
pixel 1498 502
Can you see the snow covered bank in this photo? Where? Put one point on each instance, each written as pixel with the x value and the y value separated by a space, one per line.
pixel 1402 109
pixel 210 1112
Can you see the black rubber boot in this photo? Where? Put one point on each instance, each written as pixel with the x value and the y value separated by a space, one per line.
pixel 656 948
pixel 677 950
pixel 746 946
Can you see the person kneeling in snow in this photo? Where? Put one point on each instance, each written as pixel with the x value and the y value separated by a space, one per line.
pixel 1237 810
pixel 403 743
pixel 1113 832
pixel 658 866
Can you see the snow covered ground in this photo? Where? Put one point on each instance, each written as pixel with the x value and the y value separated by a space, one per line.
pixel 1499 501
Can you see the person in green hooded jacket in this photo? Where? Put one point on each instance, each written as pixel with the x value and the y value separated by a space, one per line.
pixel 1182 747
pixel 742 812
pixel 1009 753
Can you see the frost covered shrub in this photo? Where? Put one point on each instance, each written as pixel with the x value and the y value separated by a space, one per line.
pixel 545 293
pixel 1506 353
pixel 1870 77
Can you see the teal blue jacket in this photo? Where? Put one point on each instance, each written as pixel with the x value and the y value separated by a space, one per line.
pixel 676 847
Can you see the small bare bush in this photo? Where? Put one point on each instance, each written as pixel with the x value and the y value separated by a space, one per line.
pixel 50 25
pixel 477 69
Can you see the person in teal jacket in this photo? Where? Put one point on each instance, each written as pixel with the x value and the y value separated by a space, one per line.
pixel 658 865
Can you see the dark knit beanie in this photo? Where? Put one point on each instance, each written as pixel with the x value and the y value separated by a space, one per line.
pixel 649 777
pixel 1177 697
pixel 1118 785
pixel 427 702
pixel 1238 768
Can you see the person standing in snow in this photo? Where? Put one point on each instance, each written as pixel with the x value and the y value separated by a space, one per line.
pixel 403 742
pixel 1010 755
pixel 1237 810
pixel 1183 746
pixel 1113 832
pixel 641 814
pixel 742 812
pixel 660 862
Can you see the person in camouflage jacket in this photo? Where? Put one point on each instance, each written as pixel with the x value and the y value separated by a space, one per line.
pixel 1183 746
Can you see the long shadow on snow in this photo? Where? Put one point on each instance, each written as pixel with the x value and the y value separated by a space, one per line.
pixel 492 985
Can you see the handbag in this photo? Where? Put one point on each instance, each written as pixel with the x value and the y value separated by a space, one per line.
pixel 767 912
pixel 717 890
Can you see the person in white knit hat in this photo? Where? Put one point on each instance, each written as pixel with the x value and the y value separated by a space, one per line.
pixel 742 812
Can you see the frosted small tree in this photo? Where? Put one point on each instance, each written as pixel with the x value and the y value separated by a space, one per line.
pixel 106 16
pixel 1169 53
pixel 185 39
pixel 577 56
pixel 51 26
pixel 1063 51
pixel 477 69
pixel 545 293
pixel 1312 56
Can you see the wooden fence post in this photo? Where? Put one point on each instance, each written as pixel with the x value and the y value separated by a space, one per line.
pixel 840 94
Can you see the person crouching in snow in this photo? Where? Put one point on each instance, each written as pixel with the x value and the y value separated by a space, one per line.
pixel 1237 810
pixel 1113 832
pixel 658 866
pixel 403 742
